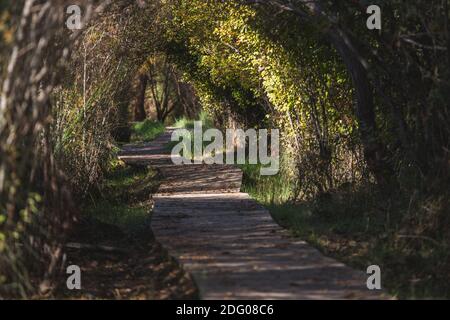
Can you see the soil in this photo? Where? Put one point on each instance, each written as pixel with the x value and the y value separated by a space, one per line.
pixel 136 268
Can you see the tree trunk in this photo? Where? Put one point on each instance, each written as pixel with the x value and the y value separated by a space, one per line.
pixel 139 112
pixel 374 151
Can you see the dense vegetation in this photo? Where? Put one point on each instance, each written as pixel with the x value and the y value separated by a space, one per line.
pixel 363 116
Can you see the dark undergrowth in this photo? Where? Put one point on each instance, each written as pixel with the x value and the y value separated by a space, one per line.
pixel 364 226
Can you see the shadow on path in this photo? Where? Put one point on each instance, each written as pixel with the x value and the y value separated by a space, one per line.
pixel 229 243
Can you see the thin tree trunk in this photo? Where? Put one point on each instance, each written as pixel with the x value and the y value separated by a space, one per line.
pixel 139 113
pixel 374 151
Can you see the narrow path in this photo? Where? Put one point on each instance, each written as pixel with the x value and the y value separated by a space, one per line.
pixel 229 243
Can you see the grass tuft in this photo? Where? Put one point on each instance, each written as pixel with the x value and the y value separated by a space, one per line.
pixel 124 199
pixel 146 130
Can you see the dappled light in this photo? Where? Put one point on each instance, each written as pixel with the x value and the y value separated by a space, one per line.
pixel 189 149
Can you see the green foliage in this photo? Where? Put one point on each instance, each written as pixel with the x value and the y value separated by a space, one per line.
pixel 242 66
pixel 90 102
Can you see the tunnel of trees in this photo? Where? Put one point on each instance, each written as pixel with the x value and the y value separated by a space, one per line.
pixel 362 113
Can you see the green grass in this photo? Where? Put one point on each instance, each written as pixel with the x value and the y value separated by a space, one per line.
pixel 146 130
pixel 266 189
pixel 124 195
pixel 130 219
pixel 186 123
pixel 124 198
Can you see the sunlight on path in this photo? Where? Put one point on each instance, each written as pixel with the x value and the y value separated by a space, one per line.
pixel 229 243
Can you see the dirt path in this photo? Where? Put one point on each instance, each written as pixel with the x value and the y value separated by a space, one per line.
pixel 229 243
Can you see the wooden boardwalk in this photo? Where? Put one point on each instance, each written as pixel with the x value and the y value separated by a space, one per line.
pixel 229 243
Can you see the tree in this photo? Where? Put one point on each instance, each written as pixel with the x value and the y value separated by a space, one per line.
pixel 162 83
pixel 139 113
